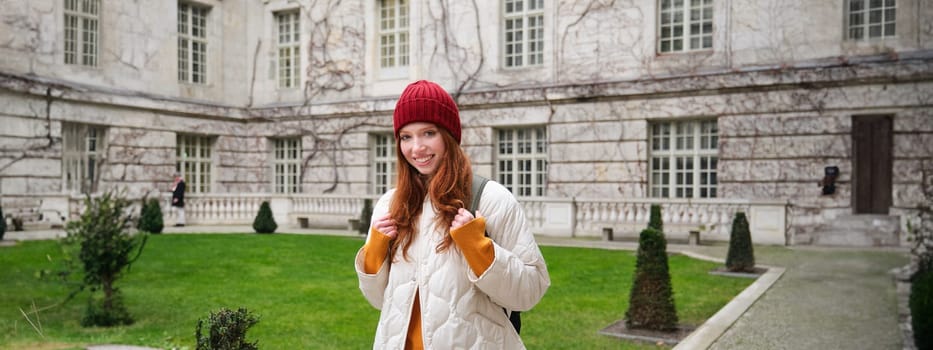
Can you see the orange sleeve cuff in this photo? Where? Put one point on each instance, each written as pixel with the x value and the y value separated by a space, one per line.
pixel 476 247
pixel 375 251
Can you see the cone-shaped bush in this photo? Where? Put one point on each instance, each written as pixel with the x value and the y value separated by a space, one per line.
pixel 366 216
pixel 264 222
pixel 150 218
pixel 651 303
pixel 741 256
pixel 655 220
pixel 2 224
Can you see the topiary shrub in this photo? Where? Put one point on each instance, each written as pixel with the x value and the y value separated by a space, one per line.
pixel 2 224
pixel 150 218
pixel 264 222
pixel 101 243
pixel 651 302
pixel 226 330
pixel 655 220
pixel 741 256
pixel 921 308
pixel 366 216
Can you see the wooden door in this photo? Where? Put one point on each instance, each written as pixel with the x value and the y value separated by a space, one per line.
pixel 872 162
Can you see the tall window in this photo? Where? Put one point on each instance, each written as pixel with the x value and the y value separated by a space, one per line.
pixel 286 163
pixel 192 43
pixel 289 48
pixel 522 160
pixel 684 156
pixel 871 19
pixel 685 25
pixel 393 33
pixel 193 160
pixel 383 170
pixel 81 31
pixel 524 33
pixel 81 149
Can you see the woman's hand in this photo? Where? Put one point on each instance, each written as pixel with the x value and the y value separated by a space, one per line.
pixel 463 217
pixel 386 226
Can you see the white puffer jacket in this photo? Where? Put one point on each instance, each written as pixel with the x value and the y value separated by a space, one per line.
pixel 460 310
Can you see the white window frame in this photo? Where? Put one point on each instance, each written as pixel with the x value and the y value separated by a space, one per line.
pixel 865 22
pixel 683 157
pixel 194 160
pixel 286 165
pixel 383 170
pixel 687 23
pixel 521 160
pixel 393 37
pixel 82 32
pixel 288 48
pixel 192 43
pixel 82 147
pixel 522 33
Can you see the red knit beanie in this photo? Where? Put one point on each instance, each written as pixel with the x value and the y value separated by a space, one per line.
pixel 424 101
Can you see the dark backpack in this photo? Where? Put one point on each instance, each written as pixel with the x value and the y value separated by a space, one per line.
pixel 479 183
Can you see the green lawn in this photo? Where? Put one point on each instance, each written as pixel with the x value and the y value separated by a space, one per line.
pixel 305 291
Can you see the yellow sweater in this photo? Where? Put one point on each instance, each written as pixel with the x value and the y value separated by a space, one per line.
pixel 473 243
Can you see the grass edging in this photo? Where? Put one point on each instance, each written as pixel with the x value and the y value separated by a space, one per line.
pixel 714 327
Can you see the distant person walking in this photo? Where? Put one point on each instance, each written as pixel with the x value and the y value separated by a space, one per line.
pixel 178 199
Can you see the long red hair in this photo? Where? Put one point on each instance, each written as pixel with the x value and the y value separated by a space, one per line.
pixel 448 188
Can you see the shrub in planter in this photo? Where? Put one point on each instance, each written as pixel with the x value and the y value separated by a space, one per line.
pixel 264 222
pixel 651 302
pixel 366 216
pixel 741 256
pixel 150 219
pixel 226 330
pixel 101 244
pixel 655 220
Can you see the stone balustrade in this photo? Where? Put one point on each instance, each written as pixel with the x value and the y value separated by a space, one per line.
pixel 564 217
pixel 627 217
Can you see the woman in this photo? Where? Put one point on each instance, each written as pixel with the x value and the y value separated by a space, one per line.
pixel 440 282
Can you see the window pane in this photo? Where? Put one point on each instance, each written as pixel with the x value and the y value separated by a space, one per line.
pixel 522 160
pixel 693 159
pixel 393 34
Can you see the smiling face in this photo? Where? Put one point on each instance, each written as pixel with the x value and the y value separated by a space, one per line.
pixel 423 146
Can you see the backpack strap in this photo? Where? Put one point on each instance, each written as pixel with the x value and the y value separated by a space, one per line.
pixel 479 183
pixel 476 188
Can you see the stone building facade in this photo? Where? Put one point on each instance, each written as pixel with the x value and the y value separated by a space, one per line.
pixel 668 101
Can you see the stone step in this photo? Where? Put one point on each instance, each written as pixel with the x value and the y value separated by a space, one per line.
pixel 859 231
pixel 886 223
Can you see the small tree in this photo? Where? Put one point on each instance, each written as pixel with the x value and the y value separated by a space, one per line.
pixel 366 216
pixel 651 302
pixel 105 249
pixel 150 218
pixel 655 220
pixel 741 256
pixel 226 330
pixel 264 222
pixel 2 224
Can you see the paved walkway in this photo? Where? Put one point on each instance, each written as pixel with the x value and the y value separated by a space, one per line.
pixel 824 298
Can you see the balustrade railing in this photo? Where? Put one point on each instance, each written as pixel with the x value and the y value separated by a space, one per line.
pixel 569 217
